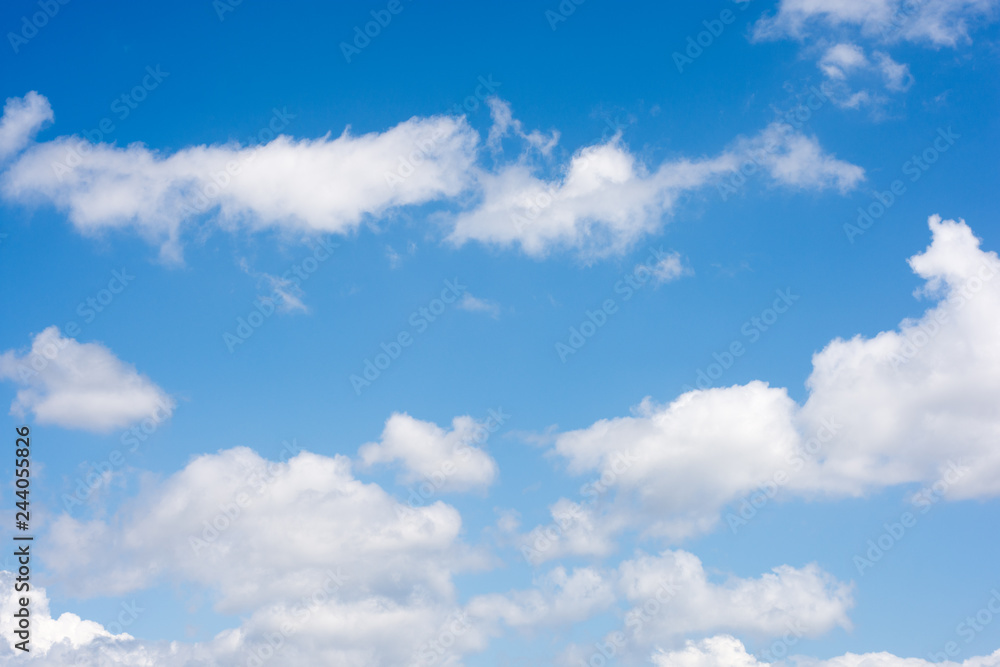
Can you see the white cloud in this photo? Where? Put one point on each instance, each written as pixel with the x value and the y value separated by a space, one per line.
pixel 193 527
pixel 901 407
pixel 604 199
pixel 842 62
pixel 670 267
pixel 937 22
pixel 447 459
pixel 727 651
pixel 559 598
pixel 897 76
pixel 306 185
pixel 671 595
pixel 841 59
pixel 22 118
pixel 718 651
pixel 80 385
pixel 45 631
pixel 362 580
pixel 477 305
pixel 807 599
pixel 288 293
pixel 504 124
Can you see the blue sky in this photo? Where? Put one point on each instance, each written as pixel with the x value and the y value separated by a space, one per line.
pixel 604 269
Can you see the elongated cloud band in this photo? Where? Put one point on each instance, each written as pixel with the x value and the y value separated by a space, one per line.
pixel 601 201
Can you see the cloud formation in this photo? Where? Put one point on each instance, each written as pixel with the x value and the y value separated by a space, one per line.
pixel 933 22
pixel 935 381
pixel 447 459
pixel 600 202
pixel 80 385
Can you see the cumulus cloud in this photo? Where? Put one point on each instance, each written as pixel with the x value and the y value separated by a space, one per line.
pixel 315 630
pixel 808 599
pixel 671 595
pixel 935 381
pixel 361 579
pixel 193 525
pixel 727 651
pixel 600 202
pixel 68 629
pixel 80 385
pixel 560 597
pixel 447 459
pixel 22 118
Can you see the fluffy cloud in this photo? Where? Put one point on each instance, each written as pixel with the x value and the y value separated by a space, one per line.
pixel 46 632
pixel 317 185
pixel 727 651
pixel 670 596
pixel 603 199
pixel 559 598
pixel 80 385
pixel 22 118
pixel 301 549
pixel 446 459
pixel 317 516
pixel 935 381
pixel 808 599
pixel 606 197
pixel 937 22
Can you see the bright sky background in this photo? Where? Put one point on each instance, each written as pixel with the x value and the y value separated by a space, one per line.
pixel 504 314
